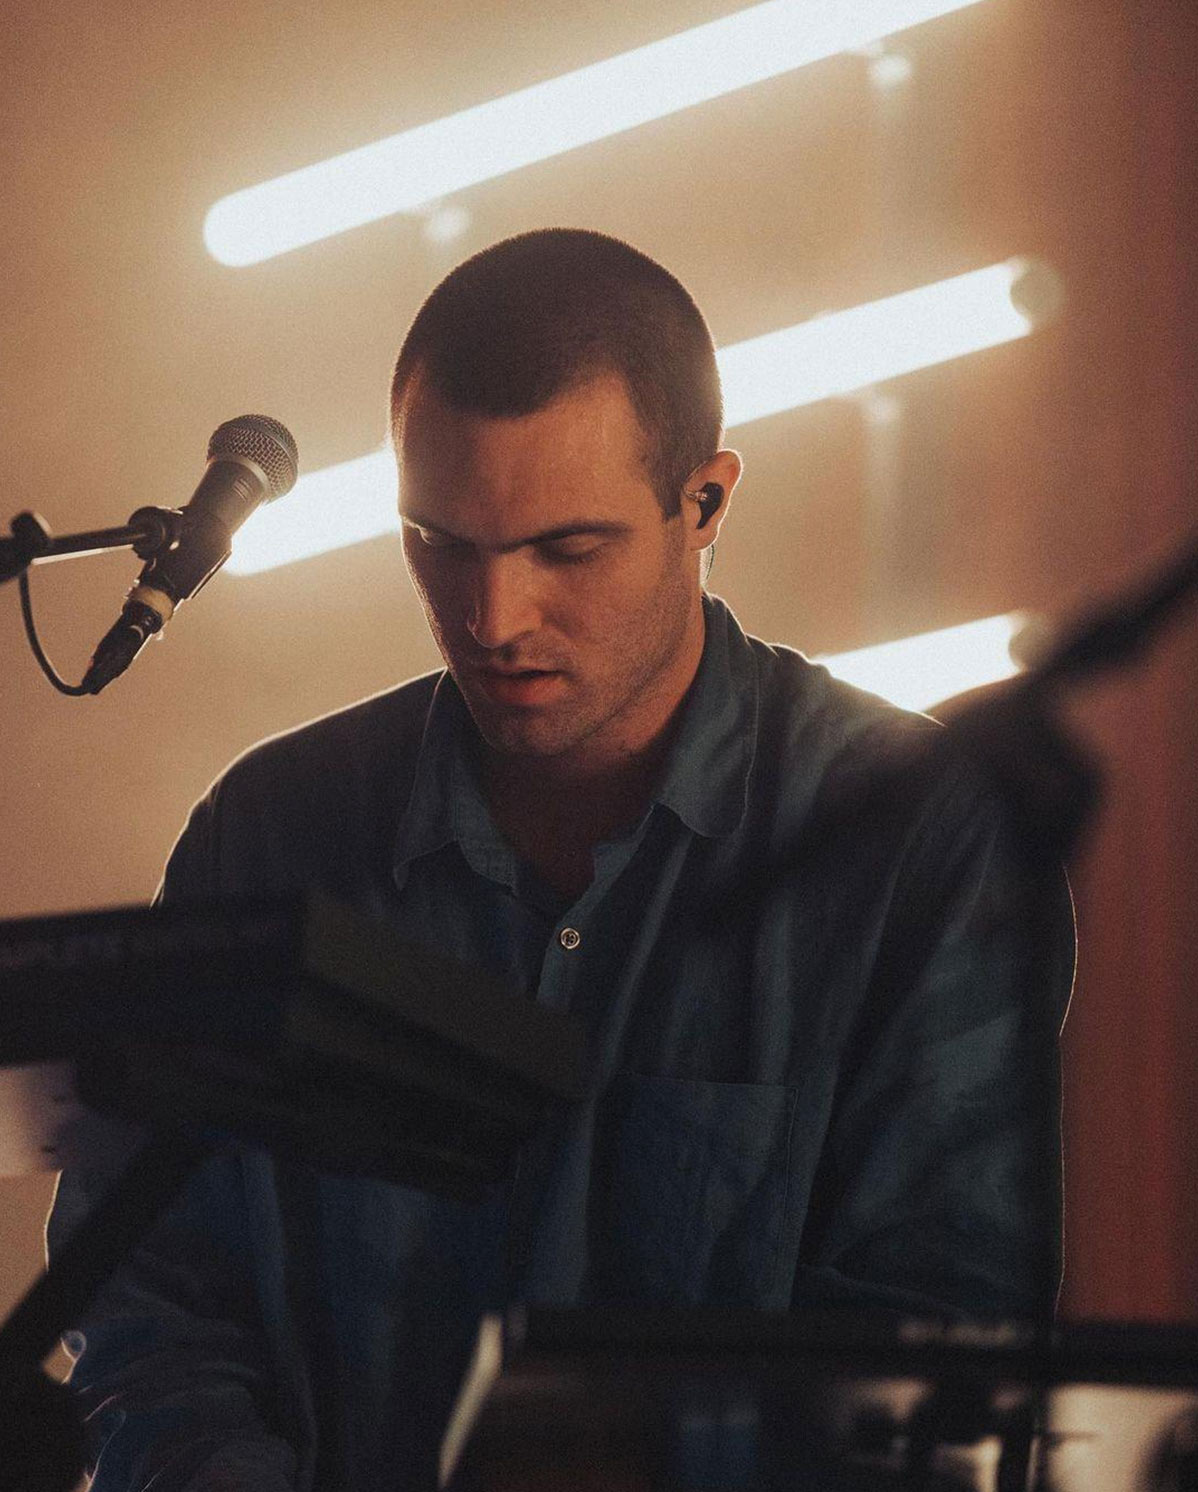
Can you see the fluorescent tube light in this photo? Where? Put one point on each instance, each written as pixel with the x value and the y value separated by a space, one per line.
pixel 477 144
pixel 331 508
pixel 833 354
pixel 918 672
pixel 883 339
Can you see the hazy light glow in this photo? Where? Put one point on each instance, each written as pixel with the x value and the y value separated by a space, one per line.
pixel 918 672
pixel 477 144
pixel 834 354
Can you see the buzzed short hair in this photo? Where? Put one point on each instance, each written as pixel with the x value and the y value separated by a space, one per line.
pixel 536 316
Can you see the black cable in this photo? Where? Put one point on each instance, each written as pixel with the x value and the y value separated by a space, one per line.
pixel 31 633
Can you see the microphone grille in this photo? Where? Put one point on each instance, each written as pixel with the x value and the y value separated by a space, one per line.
pixel 265 442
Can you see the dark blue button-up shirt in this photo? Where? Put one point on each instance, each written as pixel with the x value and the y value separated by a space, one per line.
pixel 817 1022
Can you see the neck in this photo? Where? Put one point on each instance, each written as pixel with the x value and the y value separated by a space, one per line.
pixel 554 814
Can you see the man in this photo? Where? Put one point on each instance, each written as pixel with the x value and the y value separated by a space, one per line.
pixel 800 944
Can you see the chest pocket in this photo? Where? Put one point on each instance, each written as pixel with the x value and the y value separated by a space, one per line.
pixel 689 1193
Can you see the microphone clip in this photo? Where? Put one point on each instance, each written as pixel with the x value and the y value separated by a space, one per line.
pixel 157 530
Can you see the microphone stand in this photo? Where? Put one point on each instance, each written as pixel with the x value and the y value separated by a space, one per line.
pixel 1011 729
pixel 150 532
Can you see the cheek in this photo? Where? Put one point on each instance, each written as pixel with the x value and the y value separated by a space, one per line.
pixel 579 603
pixel 609 597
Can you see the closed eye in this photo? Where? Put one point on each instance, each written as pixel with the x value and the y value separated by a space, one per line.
pixel 575 550
pixel 574 546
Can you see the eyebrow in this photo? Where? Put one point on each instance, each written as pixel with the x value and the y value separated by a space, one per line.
pixel 597 526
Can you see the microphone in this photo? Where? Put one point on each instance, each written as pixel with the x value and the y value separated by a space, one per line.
pixel 251 460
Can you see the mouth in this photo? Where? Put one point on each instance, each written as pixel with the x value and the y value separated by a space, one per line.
pixel 520 686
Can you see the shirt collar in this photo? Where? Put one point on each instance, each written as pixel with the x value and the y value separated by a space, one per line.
pixel 705 780
pixel 706 776
pixel 446 805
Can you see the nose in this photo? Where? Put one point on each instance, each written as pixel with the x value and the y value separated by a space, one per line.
pixel 503 607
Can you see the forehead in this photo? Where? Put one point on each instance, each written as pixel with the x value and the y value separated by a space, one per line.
pixel 584 451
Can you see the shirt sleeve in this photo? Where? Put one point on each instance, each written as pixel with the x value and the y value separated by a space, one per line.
pixel 171 1365
pixel 938 1189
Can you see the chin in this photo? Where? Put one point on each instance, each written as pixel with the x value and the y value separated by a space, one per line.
pixel 531 736
pixel 528 739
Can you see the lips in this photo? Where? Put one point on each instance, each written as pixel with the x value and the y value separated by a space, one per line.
pixel 523 686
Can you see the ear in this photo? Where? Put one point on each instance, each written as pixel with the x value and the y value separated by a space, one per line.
pixel 706 495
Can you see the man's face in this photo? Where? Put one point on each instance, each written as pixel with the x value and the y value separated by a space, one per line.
pixel 565 605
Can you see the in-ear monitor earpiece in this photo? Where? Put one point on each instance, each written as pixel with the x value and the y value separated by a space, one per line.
pixel 709 497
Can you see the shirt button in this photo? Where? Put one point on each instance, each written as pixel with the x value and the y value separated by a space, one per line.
pixel 569 938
